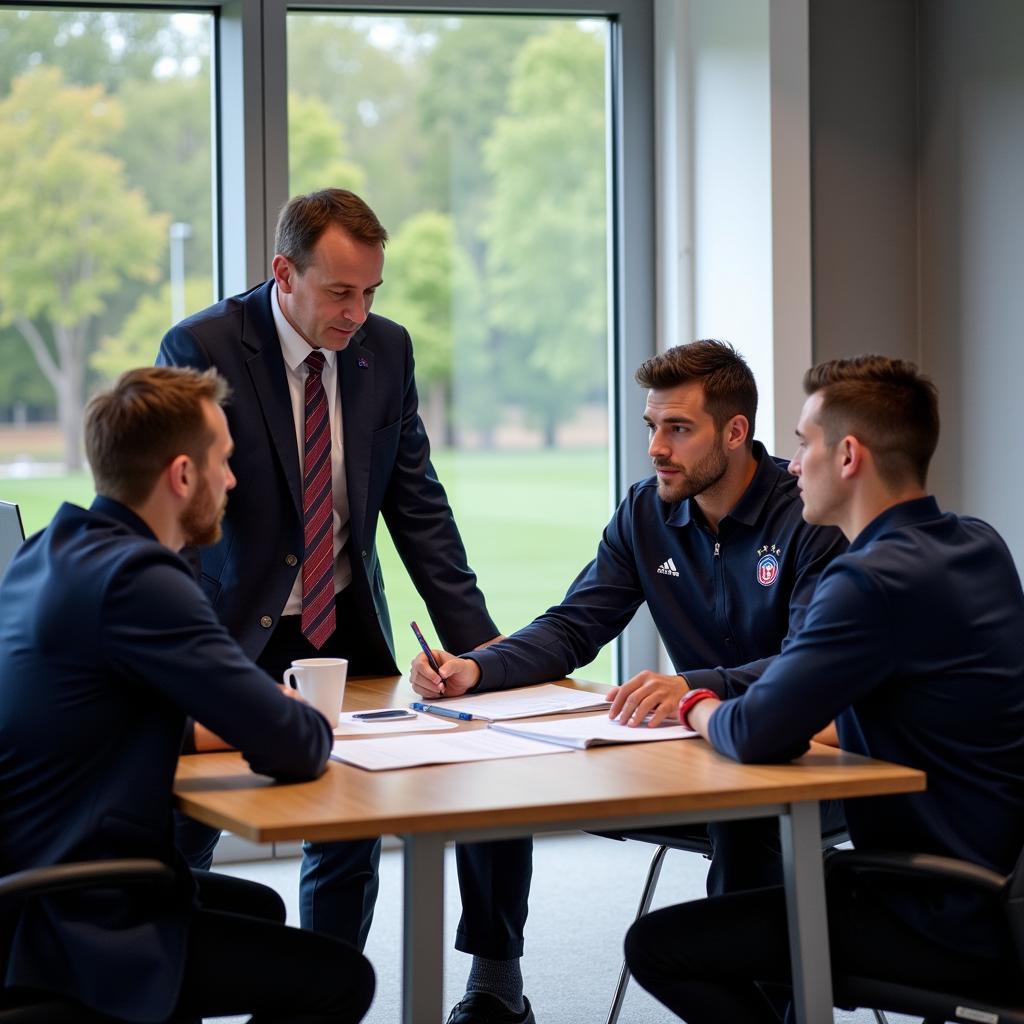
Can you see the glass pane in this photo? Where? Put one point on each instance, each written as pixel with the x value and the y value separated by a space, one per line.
pixel 481 144
pixel 105 220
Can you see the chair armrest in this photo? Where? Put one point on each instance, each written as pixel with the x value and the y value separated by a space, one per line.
pixel 86 873
pixel 921 866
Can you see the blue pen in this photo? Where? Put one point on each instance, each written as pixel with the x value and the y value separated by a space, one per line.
pixel 433 709
pixel 426 650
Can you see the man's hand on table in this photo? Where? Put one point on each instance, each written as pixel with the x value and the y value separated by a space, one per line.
pixel 649 693
pixel 457 675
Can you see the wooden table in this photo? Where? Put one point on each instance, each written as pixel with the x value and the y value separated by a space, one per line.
pixel 621 787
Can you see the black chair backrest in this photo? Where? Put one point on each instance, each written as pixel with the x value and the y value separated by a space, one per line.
pixel 1015 907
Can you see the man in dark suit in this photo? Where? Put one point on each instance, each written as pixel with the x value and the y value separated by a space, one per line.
pixel 305 340
pixel 106 646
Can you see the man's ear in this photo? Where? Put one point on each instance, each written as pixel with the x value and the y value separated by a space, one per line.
pixel 737 431
pixel 181 476
pixel 284 273
pixel 851 454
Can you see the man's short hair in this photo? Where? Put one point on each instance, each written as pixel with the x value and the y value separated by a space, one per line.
pixel 728 385
pixel 305 218
pixel 148 418
pixel 887 404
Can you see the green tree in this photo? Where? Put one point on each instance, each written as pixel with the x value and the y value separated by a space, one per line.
pixel 432 289
pixel 316 149
pixel 465 85
pixel 545 228
pixel 92 46
pixel 138 339
pixel 166 148
pixel 366 86
pixel 71 231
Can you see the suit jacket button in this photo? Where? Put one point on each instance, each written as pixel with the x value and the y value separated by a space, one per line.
pixel 266 621
pixel 290 560
pixel 364 554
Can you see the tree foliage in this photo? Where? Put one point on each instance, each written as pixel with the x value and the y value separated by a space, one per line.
pixel 478 140
pixel 138 339
pixel 71 231
pixel 316 149
pixel 545 228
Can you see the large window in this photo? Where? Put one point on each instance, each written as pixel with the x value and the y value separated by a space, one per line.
pixel 482 144
pixel 106 225
pixel 145 153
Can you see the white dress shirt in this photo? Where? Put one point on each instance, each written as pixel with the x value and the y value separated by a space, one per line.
pixel 295 349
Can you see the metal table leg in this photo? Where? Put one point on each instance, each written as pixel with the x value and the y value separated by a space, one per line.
pixel 423 929
pixel 800 832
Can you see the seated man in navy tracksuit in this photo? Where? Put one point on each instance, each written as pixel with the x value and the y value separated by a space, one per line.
pixel 107 647
pixel 715 544
pixel 914 644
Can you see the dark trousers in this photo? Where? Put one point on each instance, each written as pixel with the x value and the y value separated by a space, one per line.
pixel 240 958
pixel 747 854
pixel 726 958
pixel 339 882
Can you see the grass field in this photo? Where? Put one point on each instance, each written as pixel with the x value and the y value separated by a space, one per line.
pixel 530 521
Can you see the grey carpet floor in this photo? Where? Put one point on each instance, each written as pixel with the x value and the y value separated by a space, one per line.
pixel 584 895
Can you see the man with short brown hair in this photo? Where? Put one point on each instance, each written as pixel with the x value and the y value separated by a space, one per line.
pixel 329 440
pixel 106 646
pixel 714 544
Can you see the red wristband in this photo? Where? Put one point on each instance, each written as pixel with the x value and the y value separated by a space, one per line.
pixel 691 700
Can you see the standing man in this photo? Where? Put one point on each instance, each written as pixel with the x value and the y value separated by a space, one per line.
pixel 914 644
pixel 328 438
pixel 106 645
pixel 716 546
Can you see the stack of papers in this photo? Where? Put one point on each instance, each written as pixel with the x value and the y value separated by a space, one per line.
pixel 594 731
pixel 524 702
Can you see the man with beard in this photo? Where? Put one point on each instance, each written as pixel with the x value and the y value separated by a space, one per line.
pixel 107 647
pixel 716 546
pixel 918 633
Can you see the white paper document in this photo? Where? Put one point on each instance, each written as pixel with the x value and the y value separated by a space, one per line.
pixel 525 702
pixel 593 731
pixel 409 751
pixel 351 726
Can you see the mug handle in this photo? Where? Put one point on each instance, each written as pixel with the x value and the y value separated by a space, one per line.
pixel 288 679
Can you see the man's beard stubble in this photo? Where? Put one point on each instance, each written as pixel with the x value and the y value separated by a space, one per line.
pixel 706 473
pixel 200 522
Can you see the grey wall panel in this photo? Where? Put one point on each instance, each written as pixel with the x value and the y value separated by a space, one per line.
pixel 864 172
pixel 972 251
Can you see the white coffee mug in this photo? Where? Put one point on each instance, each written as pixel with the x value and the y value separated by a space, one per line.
pixel 321 681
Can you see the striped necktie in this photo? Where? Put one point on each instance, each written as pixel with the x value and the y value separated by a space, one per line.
pixel 317 512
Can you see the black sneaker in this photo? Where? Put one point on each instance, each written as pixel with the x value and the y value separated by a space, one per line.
pixel 483 1008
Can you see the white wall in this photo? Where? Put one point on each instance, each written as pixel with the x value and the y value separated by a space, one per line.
pixel 714 180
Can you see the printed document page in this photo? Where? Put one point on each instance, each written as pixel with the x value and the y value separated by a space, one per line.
pixel 594 730
pixel 409 751
pixel 525 702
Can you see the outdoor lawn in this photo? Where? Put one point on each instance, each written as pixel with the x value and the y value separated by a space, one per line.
pixel 530 520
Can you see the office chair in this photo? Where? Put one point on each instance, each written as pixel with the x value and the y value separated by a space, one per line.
pixel 25 1007
pixel 683 838
pixel 1004 1006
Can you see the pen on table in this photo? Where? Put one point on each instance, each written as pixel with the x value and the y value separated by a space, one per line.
pixel 433 709
pixel 389 713
pixel 431 660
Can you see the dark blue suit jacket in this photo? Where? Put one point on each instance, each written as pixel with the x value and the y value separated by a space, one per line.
pixel 250 573
pixel 106 646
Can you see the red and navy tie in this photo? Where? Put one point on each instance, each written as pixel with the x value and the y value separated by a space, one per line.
pixel 318 512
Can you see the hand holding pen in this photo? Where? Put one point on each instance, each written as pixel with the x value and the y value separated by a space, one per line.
pixel 436 673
